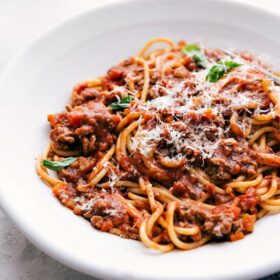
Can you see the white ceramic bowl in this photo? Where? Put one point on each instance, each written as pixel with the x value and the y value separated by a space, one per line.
pixel 38 81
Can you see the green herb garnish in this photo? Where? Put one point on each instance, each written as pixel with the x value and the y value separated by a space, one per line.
pixel 122 104
pixel 58 165
pixel 190 48
pixel 196 53
pixel 220 69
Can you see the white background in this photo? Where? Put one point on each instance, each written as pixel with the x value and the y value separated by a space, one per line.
pixel 20 21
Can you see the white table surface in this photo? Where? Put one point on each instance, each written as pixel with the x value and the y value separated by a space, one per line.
pixel 20 21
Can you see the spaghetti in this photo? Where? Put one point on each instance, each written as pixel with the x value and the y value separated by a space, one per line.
pixel 176 147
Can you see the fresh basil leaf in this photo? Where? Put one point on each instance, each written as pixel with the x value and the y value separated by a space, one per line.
pixel 122 104
pixel 195 52
pixel 231 64
pixel 200 59
pixel 190 48
pixel 218 70
pixel 58 165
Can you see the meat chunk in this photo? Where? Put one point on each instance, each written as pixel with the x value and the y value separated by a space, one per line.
pixel 63 134
pixel 187 186
pixel 77 170
pixel 66 193
pixel 107 212
pixel 249 200
pixel 114 77
pixel 218 221
pixel 231 159
pixel 87 127
pixel 82 93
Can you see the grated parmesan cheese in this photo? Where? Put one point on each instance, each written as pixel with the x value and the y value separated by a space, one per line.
pixel 196 95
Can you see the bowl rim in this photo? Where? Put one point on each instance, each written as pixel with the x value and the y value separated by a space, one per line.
pixel 37 240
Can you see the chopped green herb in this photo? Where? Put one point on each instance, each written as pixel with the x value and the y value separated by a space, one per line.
pixel 122 104
pixel 196 53
pixel 190 48
pixel 218 70
pixel 58 165
pixel 231 64
pixel 200 59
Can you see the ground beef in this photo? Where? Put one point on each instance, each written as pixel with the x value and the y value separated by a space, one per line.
pixel 222 198
pixel 77 170
pixel 187 186
pixel 82 94
pixel 115 77
pixel 88 127
pixel 231 159
pixel 218 221
pixel 249 200
pixel 108 212
pixel 63 134
pixel 215 54
pixel 66 193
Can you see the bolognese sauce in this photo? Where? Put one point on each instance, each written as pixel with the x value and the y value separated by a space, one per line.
pixel 175 147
